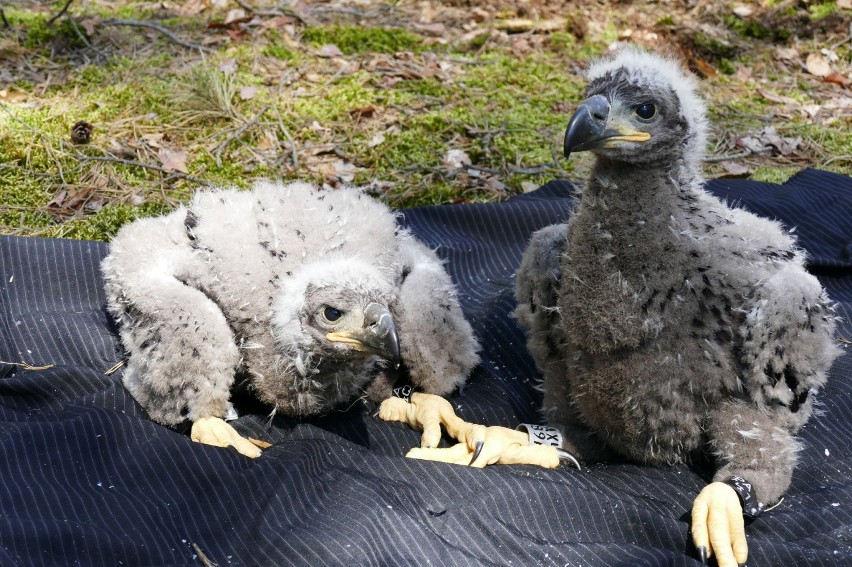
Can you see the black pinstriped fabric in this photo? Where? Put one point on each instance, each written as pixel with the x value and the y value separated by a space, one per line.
pixel 85 479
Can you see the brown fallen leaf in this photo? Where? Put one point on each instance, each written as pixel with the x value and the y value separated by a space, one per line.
pixel 455 159
pixel 192 7
pixel 733 169
pixel 173 160
pixel 787 53
pixel 837 79
pixel 328 51
pixel 818 65
pixel 234 16
pixel 363 112
pixel 772 97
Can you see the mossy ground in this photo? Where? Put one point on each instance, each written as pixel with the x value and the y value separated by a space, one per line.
pixel 404 83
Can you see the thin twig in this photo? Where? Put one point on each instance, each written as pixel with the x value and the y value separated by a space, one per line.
pixel 130 162
pixel 712 159
pixel 202 557
pixel 237 134
pixel 114 368
pixel 260 11
pixel 60 14
pixel 157 27
pixel 294 153
pixel 26 366
pixel 3 18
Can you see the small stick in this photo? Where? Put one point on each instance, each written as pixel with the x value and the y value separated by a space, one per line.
pixel 746 153
pixel 148 166
pixel 294 153
pixel 26 366
pixel 3 18
pixel 237 134
pixel 156 27
pixel 202 557
pixel 60 14
pixel 112 369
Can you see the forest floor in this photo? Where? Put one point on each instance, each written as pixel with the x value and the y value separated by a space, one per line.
pixel 114 109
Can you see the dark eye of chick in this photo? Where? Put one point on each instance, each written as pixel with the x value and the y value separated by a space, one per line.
pixel 331 314
pixel 646 111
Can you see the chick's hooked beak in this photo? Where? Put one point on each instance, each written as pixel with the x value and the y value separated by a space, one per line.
pixel 590 127
pixel 377 335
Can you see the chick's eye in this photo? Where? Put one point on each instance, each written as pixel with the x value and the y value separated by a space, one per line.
pixel 331 314
pixel 646 111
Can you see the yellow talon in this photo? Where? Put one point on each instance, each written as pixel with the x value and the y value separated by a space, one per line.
pixel 718 526
pixel 215 431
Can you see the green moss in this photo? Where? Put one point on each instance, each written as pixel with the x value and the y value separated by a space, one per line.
pixel 561 42
pixel 357 39
pixel 727 66
pixel 666 21
pixel 774 173
pixel 110 218
pixel 746 28
pixel 278 52
pixel 336 100
pixel 40 35
pixel 822 10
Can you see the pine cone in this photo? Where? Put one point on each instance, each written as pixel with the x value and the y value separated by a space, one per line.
pixel 81 132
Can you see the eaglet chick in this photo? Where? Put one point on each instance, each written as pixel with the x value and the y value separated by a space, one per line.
pixel 667 325
pixel 304 295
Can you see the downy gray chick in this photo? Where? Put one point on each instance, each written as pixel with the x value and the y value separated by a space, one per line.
pixel 304 294
pixel 666 323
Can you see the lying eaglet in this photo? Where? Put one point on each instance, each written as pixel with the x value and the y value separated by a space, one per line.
pixel 304 295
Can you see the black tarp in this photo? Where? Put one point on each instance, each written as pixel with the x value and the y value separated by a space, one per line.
pixel 86 479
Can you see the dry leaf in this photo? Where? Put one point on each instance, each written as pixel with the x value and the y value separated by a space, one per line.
pixel 363 112
pixel 455 159
pixel 192 7
pixel 342 170
pixel 437 29
pixel 527 186
pixel 90 24
pixel 743 11
pixel 837 79
pixel 818 65
pixel 772 97
pixel 787 53
pixel 329 50
pixel 734 169
pixel 248 93
pixel 172 160
pixel 844 4
pixel 153 140
pixel 268 141
pixel 228 66
pixel 376 140
pixel 234 15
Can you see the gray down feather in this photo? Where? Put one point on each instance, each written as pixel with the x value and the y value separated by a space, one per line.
pixel 667 324
pixel 236 287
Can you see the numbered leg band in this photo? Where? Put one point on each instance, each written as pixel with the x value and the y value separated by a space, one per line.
pixel 542 434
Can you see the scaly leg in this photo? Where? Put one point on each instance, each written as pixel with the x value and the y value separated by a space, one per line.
pixel 478 445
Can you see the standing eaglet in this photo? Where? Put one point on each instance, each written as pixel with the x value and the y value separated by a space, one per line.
pixel 302 295
pixel 667 324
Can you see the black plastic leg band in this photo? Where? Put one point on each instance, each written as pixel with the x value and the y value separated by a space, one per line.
pixel 751 507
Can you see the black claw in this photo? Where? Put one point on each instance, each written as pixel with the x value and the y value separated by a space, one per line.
pixel 476 451
pixel 702 555
pixel 566 456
